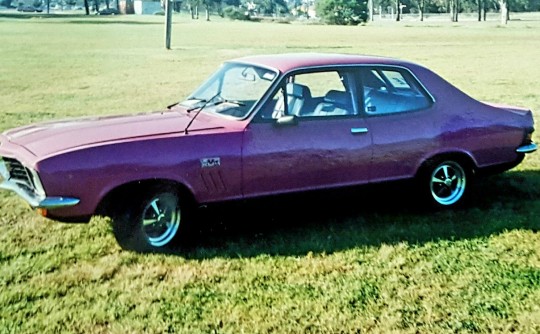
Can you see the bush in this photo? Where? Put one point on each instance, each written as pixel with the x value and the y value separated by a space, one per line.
pixel 342 12
pixel 236 13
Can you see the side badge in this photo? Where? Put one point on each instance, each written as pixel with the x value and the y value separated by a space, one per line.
pixel 210 162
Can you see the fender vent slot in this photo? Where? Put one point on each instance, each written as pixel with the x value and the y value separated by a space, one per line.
pixel 213 181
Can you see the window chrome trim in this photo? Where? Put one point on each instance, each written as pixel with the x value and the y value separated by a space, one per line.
pixel 272 90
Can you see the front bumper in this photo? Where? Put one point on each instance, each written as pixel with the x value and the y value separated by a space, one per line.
pixel 36 199
pixel 39 202
pixel 529 148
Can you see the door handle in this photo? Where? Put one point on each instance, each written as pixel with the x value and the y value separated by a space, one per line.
pixel 356 131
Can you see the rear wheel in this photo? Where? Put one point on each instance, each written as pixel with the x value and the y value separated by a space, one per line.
pixel 446 182
pixel 153 220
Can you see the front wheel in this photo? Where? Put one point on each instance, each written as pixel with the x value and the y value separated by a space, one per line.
pixel 447 183
pixel 153 221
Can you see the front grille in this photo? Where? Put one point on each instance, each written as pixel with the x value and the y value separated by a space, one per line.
pixel 19 174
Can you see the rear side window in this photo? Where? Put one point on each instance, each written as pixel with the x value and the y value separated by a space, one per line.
pixel 391 90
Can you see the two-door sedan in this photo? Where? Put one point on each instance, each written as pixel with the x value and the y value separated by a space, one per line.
pixel 264 125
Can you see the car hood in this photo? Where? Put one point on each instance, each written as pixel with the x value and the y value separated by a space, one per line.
pixel 44 139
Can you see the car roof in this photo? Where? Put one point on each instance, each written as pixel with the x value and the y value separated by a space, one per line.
pixel 290 61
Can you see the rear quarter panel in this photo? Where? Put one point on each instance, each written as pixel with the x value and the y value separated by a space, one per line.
pixel 487 134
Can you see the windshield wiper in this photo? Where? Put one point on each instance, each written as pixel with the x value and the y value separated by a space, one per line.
pixel 201 107
pixel 200 100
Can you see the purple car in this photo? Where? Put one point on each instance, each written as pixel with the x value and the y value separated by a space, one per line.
pixel 264 125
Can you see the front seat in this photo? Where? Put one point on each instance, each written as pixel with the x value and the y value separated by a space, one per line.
pixel 296 97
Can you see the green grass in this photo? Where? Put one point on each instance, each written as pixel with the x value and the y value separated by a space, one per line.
pixel 369 264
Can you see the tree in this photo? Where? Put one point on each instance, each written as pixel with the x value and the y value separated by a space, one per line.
pixel 208 4
pixel 342 12
pixel 194 9
pixel 504 11
pixel 421 8
pixel 454 6
pixel 271 7
pixel 480 4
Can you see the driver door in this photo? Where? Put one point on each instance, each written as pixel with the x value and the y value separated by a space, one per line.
pixel 312 137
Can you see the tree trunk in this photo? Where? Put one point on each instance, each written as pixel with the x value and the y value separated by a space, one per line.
pixel 220 8
pixel 479 10
pixel 207 12
pixel 504 11
pixel 398 11
pixel 421 9
pixel 194 11
pixel 86 7
pixel 454 10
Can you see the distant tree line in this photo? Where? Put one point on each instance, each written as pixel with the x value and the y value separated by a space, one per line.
pixel 352 12
pixel 237 9
pixel 341 12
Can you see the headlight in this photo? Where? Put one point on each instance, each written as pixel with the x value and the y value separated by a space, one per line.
pixel 4 175
pixel 38 187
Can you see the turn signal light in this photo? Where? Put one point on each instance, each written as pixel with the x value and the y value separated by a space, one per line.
pixel 42 212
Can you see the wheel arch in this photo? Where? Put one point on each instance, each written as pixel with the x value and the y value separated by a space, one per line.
pixel 459 156
pixel 122 192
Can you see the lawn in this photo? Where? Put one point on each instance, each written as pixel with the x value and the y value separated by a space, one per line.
pixel 356 261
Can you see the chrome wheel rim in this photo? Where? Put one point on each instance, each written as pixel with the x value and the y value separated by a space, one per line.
pixel 447 183
pixel 161 219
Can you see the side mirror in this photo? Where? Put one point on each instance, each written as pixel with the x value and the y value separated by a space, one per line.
pixel 286 120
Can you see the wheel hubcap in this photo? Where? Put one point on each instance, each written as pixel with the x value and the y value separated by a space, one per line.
pixel 448 183
pixel 161 219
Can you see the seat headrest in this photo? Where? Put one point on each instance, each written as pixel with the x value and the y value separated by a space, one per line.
pixel 297 90
pixel 336 96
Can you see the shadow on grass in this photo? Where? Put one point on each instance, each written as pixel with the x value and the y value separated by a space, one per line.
pixel 27 16
pixel 76 18
pixel 331 221
pixel 111 21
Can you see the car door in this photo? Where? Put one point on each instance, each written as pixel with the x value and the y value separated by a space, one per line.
pixel 309 136
pixel 402 120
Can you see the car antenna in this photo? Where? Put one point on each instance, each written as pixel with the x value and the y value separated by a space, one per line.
pixel 199 111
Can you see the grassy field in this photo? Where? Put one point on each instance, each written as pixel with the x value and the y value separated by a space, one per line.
pixel 345 265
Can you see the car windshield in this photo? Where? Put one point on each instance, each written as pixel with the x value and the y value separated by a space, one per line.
pixel 232 90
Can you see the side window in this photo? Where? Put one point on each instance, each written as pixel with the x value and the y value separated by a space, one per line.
pixel 391 91
pixel 317 94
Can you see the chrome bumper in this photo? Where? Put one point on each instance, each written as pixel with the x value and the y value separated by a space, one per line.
pixel 39 202
pixel 527 148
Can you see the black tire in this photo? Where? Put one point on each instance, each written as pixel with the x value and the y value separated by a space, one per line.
pixel 153 220
pixel 445 183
